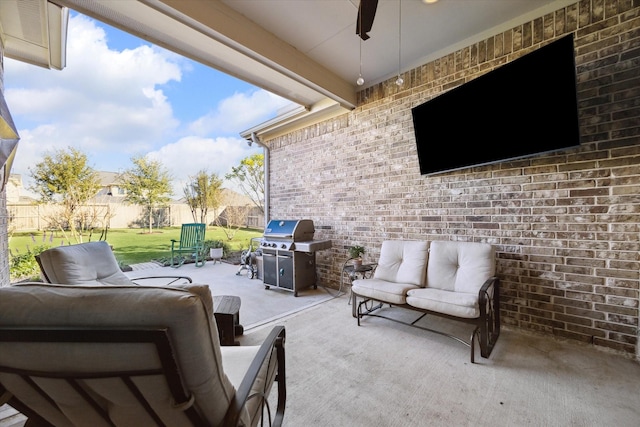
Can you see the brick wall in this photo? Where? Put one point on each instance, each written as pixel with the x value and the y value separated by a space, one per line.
pixel 566 225
pixel 4 218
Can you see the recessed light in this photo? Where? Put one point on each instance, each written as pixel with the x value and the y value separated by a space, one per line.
pixel 429 1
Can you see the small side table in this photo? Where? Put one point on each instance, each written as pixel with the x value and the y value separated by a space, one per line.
pixel 364 271
pixel 226 310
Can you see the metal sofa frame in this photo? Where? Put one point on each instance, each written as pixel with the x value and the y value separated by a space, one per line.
pixel 487 324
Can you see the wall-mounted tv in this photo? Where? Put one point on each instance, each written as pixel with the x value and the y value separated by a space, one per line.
pixel 527 106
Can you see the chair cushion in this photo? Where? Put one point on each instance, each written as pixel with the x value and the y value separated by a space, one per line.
pixel 403 261
pixel 236 361
pixel 91 263
pixel 187 313
pixel 460 266
pixel 382 290
pixel 457 304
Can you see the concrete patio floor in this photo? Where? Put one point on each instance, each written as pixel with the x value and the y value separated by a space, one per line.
pixel 259 305
pixel 528 380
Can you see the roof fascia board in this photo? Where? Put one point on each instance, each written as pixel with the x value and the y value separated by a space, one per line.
pixel 41 17
pixel 57 24
pixel 295 120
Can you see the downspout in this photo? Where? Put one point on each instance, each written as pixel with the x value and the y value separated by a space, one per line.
pixel 256 140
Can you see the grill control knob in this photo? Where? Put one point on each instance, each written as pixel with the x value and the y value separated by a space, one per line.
pixel 284 246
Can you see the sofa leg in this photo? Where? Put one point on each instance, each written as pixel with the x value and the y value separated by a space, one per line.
pixel 367 311
pixel 354 302
pixel 472 343
pixel 359 310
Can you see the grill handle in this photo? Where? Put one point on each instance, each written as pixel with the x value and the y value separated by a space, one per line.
pixel 278 236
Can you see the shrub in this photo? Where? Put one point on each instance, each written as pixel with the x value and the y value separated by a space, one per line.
pixel 25 266
pixel 208 244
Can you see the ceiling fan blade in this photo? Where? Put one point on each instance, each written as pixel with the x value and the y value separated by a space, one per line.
pixel 366 14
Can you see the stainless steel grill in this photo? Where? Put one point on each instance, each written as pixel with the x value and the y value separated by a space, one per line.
pixel 289 254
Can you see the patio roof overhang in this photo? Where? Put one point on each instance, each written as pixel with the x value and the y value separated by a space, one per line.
pixel 216 35
pixel 35 32
pixel 305 52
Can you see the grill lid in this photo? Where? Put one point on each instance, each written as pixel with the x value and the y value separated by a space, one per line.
pixel 292 230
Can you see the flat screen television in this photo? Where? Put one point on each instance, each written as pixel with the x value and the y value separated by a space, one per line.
pixel 525 107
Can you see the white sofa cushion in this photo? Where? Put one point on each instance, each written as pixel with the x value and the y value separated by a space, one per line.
pixel 236 361
pixel 460 266
pixel 382 290
pixel 457 304
pixel 91 263
pixel 402 265
pixel 403 261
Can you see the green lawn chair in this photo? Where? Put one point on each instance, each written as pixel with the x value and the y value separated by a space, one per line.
pixel 189 246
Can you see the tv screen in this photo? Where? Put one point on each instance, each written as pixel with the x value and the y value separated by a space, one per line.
pixel 526 107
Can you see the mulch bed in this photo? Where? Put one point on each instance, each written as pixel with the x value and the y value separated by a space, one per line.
pixel 230 258
pixel 233 258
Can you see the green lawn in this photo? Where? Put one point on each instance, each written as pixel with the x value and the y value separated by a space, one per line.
pixel 131 246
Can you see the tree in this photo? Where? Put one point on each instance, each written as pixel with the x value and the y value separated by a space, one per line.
pixel 146 184
pixel 250 178
pixel 202 193
pixel 65 178
pixel 232 219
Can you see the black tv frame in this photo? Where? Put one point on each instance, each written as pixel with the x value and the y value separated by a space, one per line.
pixel 524 108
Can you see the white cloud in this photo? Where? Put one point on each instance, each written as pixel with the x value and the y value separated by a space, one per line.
pixel 189 155
pixel 239 112
pixel 110 104
pixel 105 102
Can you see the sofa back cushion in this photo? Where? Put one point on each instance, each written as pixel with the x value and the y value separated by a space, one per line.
pixel 460 266
pixel 403 261
pixel 91 263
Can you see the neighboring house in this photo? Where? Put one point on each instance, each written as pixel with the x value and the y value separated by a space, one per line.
pixel 14 190
pixel 109 185
pixel 232 199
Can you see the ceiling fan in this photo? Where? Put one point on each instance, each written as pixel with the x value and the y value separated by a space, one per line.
pixel 366 14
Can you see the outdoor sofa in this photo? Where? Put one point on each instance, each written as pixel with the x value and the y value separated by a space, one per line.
pixel 449 279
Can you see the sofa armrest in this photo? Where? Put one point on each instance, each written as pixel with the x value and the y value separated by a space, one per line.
pixel 275 340
pixel 489 302
pixel 174 279
pixel 489 295
pixel 5 396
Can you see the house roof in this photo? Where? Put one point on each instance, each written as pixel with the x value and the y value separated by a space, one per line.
pixel 107 178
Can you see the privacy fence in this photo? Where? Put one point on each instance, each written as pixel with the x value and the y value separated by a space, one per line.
pixel 117 215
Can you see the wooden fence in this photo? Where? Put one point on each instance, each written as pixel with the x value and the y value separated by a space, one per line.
pixel 32 217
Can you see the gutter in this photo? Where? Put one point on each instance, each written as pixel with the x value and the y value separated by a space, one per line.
pixel 256 140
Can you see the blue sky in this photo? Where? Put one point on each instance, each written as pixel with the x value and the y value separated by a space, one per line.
pixel 120 96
